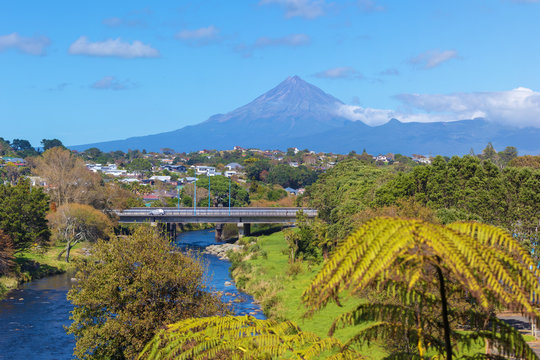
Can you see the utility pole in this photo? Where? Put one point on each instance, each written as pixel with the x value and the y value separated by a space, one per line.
pixel 178 190
pixel 209 191
pixel 229 196
pixel 195 194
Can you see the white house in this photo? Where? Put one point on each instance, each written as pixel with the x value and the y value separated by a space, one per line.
pixel 205 170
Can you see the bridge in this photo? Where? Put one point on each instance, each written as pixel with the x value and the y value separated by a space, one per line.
pixel 243 217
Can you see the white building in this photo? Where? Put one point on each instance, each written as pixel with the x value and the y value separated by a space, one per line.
pixel 205 170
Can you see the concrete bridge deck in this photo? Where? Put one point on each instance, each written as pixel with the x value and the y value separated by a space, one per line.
pixel 214 215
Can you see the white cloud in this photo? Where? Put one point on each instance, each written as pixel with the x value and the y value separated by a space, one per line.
pixel 201 36
pixel 308 9
pixel 433 58
pixel 343 72
pixel 113 48
pixel 292 40
pixel 518 107
pixel 28 45
pixel 112 83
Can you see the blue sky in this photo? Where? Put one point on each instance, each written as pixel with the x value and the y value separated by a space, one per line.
pixel 102 70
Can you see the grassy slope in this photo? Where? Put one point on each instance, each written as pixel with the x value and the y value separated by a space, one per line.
pixel 33 265
pixel 266 278
pixel 280 294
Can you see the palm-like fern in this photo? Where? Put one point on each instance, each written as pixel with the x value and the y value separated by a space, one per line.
pixel 407 256
pixel 241 337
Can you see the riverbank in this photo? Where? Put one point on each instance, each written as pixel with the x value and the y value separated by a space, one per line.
pixel 263 270
pixel 35 264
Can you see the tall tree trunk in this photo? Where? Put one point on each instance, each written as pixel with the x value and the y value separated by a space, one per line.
pixel 444 313
pixel 68 249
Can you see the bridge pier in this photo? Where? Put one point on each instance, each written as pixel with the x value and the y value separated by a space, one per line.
pixel 219 232
pixel 244 229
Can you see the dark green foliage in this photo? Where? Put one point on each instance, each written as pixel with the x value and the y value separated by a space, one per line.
pixel 469 188
pixel 302 241
pixel 50 143
pixel 275 194
pixel 219 190
pixel 257 170
pixel 22 214
pixel 6 255
pixel 140 165
pixel 343 191
pixel 294 177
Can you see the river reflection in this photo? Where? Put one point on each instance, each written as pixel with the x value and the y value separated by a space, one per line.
pixel 33 317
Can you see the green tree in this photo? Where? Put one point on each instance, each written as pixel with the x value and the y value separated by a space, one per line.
pixel 50 143
pixel 469 188
pixel 254 169
pixel 140 165
pixel 507 155
pixel 6 254
pixel 242 337
pixel 219 191
pixel 130 287
pixel 74 223
pixel 288 176
pixel 22 214
pixel 23 148
pixel 426 264
pixel 343 191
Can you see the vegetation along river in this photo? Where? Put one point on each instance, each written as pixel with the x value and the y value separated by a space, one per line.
pixel 32 318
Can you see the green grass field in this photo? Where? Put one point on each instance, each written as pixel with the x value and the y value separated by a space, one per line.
pixel 34 264
pixel 266 277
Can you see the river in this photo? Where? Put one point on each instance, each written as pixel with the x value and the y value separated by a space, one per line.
pixel 33 317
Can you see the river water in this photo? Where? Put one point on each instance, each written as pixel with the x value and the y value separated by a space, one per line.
pixel 33 317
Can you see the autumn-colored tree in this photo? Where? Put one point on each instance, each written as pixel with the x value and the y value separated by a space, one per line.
pixel 129 288
pixel 532 161
pixel 68 180
pixel 424 264
pixel 74 223
pixel 242 337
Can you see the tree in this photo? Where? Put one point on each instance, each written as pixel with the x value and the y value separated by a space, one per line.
pixel 51 143
pixel 219 191
pixel 526 161
pixel 242 337
pixel 343 191
pixel 288 176
pixel 68 179
pixel 74 223
pixel 22 214
pixel 412 258
pixel 469 188
pixel 130 287
pixel 507 155
pixel 140 165
pixel 489 153
pixel 6 253
pixel 23 148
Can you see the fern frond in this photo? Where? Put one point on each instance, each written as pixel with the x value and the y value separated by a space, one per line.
pixel 241 337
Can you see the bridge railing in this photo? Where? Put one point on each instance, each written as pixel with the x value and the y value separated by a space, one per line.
pixel 221 212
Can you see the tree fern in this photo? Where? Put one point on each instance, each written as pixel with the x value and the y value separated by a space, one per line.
pixel 241 337
pixel 407 256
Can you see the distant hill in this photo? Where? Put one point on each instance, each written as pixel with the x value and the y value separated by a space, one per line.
pixel 298 114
